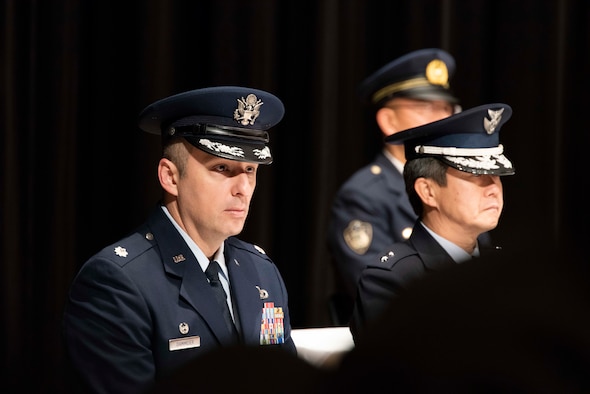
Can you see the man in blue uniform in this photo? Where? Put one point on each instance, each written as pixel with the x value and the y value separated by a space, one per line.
pixel 452 178
pixel 371 210
pixel 181 284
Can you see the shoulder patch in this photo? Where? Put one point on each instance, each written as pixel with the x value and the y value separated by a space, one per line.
pixel 358 236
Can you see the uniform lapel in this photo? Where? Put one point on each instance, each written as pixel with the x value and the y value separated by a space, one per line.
pixel 431 253
pixel 180 262
pixel 244 279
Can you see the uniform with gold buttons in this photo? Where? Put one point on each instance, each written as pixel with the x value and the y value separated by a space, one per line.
pixel 371 210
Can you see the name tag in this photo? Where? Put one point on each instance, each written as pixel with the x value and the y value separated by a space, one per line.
pixel 184 343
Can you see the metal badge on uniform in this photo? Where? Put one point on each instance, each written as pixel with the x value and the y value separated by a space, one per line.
pixel 184 343
pixel 272 328
pixel 183 328
pixel 121 251
pixel 178 258
pixel 263 293
pixel 358 236
pixel 387 256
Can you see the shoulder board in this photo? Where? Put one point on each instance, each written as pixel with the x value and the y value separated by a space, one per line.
pixel 128 248
pixel 252 248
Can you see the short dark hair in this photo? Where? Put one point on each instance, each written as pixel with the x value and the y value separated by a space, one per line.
pixel 425 167
pixel 177 152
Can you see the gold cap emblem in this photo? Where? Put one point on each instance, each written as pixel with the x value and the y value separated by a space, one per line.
pixel 437 73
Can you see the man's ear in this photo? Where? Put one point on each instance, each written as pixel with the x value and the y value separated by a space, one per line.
pixel 387 120
pixel 426 190
pixel 168 176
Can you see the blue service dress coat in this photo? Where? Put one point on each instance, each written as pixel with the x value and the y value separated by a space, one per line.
pixel 370 211
pixel 142 307
pixel 401 264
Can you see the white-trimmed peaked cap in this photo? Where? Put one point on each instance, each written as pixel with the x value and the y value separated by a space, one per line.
pixel 468 141
pixel 226 121
pixel 423 74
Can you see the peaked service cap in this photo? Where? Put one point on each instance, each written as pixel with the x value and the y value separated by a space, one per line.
pixel 423 74
pixel 225 121
pixel 468 141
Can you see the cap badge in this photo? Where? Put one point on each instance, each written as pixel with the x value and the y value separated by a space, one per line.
pixel 437 73
pixel 248 109
pixel 495 118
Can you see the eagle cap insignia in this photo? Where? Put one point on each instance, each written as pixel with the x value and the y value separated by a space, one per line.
pixel 248 110
pixel 495 118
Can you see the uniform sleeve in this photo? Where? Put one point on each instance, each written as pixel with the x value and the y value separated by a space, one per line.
pixel 365 223
pixel 107 330
pixel 377 287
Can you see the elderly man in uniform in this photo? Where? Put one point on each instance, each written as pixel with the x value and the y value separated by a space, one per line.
pixel 452 178
pixel 181 285
pixel 371 210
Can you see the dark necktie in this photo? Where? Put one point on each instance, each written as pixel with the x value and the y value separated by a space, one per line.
pixel 212 273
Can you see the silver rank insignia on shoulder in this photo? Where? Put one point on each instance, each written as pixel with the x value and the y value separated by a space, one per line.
pixel 387 256
pixel 263 293
pixel 258 248
pixel 248 110
pixel 358 236
pixel 121 251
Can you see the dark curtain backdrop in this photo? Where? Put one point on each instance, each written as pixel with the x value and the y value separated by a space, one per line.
pixel 77 173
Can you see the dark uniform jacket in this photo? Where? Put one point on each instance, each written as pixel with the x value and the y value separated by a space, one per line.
pixel 370 211
pixel 400 265
pixel 142 307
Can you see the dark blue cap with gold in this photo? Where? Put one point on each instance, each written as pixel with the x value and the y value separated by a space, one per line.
pixel 468 141
pixel 423 74
pixel 226 121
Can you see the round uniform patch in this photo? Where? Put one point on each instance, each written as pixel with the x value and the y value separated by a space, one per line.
pixel 358 236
